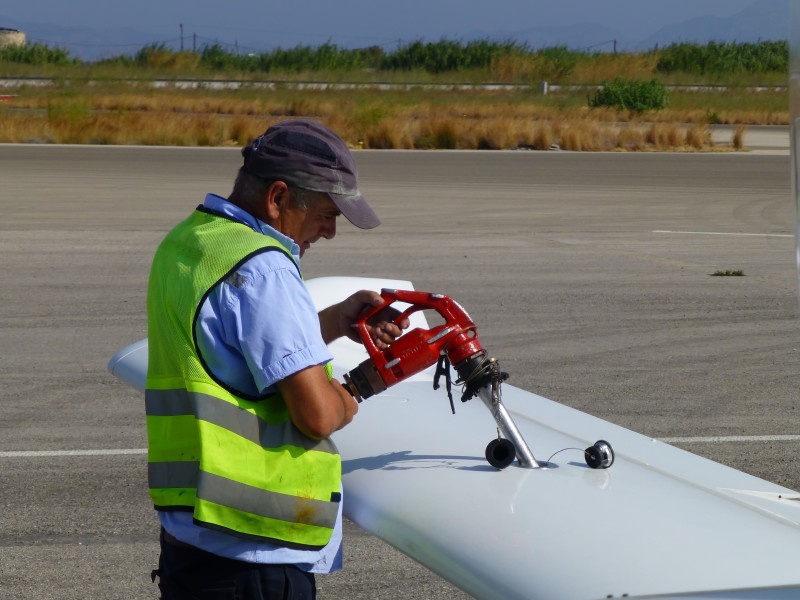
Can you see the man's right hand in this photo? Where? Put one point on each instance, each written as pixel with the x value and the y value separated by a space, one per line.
pixel 337 320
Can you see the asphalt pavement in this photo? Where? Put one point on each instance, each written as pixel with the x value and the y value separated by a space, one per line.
pixel 589 276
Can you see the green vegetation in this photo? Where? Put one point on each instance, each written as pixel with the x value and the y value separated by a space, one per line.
pixel 217 97
pixel 438 57
pixel 446 56
pixel 478 61
pixel 725 58
pixel 638 96
pixel 35 54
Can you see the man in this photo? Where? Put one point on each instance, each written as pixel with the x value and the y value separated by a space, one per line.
pixel 240 401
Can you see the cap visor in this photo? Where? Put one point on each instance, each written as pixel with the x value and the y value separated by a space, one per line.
pixel 357 211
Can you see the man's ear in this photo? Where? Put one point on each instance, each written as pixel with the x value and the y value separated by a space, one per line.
pixel 277 197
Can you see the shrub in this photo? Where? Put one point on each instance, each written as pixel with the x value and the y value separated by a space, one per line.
pixel 447 55
pixel 36 54
pixel 637 96
pixel 723 58
pixel 158 56
pixel 558 62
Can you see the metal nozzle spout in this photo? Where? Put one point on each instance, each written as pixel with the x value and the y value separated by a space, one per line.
pixel 364 381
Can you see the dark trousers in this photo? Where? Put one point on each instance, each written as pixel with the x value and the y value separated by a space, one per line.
pixel 187 573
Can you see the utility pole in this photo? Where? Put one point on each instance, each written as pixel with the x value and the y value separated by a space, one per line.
pixel 194 42
pixel 181 25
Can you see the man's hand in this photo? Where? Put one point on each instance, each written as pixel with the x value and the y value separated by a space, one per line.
pixel 337 321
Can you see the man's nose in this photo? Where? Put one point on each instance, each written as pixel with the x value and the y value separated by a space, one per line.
pixel 329 230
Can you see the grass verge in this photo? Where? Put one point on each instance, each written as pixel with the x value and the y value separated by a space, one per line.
pixel 80 112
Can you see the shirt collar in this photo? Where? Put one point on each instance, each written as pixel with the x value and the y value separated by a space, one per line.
pixel 229 209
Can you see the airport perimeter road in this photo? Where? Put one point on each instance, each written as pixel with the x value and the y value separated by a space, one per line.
pixel 588 275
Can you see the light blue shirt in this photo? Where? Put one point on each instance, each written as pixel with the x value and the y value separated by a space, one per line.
pixel 255 328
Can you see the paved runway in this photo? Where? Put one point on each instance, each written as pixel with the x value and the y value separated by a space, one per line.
pixel 588 275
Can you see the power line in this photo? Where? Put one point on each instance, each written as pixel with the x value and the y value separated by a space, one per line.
pixel 614 42
pixel 88 45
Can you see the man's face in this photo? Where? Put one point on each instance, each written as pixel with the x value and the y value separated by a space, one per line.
pixel 306 226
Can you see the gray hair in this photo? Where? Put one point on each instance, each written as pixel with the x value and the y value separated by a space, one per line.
pixel 304 198
pixel 250 189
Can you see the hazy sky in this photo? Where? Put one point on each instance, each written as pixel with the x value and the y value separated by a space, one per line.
pixel 357 22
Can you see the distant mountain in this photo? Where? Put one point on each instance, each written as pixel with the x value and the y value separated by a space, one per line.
pixel 762 20
pixel 586 36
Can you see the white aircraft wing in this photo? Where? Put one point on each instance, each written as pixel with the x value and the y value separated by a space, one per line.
pixel 659 523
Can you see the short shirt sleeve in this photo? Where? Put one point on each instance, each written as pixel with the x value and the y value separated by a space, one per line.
pixel 259 325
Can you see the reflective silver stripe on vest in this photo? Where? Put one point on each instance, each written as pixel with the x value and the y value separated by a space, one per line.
pixel 273 505
pixel 240 496
pixel 173 403
pixel 179 474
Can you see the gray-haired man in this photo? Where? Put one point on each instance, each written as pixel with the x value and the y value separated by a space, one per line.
pixel 240 400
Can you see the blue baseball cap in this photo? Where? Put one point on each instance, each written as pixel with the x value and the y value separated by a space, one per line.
pixel 308 155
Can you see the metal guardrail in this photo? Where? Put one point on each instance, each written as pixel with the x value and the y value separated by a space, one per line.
pixel 544 87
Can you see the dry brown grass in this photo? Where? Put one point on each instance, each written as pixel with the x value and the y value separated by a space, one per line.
pixel 421 131
pixel 391 133
pixel 738 137
pixel 661 135
pixel 631 139
pixel 605 67
pixel 152 128
pixel 698 137
pixel 415 119
pixel 524 68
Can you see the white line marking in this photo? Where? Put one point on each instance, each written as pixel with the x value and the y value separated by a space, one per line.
pixel 781 235
pixel 38 453
pixel 713 439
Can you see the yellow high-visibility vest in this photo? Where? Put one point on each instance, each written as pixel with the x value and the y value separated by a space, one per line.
pixel 239 464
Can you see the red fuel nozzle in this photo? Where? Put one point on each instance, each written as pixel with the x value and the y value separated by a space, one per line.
pixel 417 349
